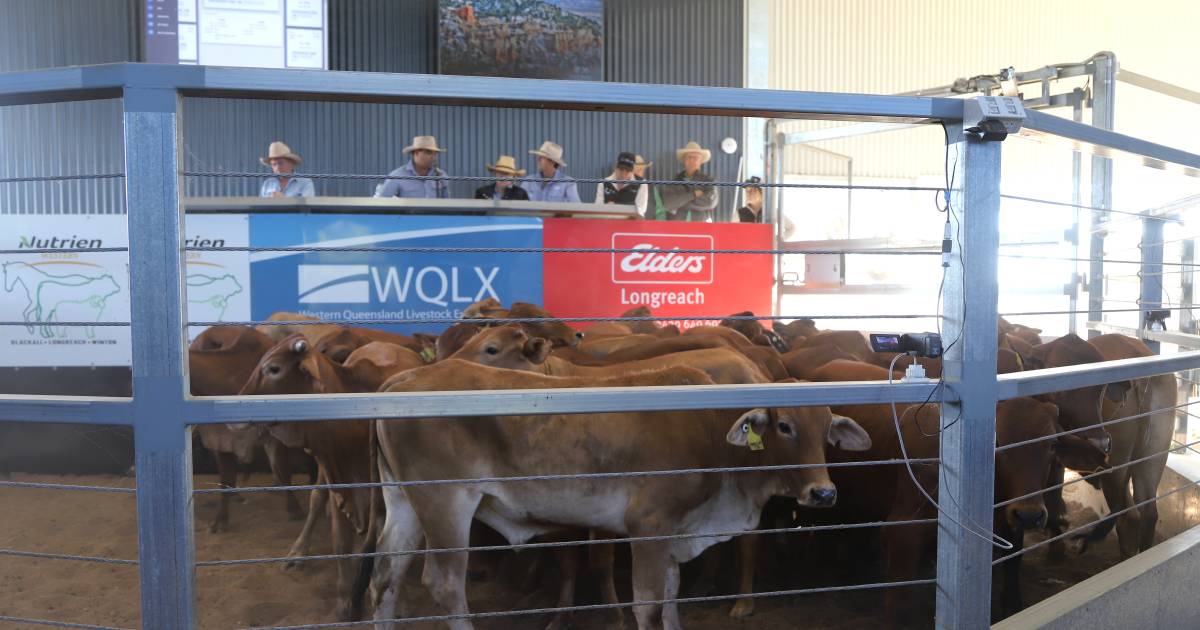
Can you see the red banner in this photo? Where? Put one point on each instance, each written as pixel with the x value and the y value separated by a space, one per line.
pixel 670 283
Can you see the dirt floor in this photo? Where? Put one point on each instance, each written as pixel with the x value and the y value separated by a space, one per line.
pixel 265 595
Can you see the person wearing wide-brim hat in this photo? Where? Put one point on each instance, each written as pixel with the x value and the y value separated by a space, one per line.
pixel 422 162
pixel 622 186
pixel 283 163
pixel 692 199
pixel 505 187
pixel 639 166
pixel 551 182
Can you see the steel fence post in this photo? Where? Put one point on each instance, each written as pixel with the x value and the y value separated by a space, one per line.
pixel 1104 78
pixel 964 559
pixel 1150 279
pixel 161 436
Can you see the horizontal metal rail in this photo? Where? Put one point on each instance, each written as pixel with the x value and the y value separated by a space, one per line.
pixel 238 409
pixel 41 555
pixel 79 250
pixel 577 180
pixel 48 623
pixel 62 486
pixel 58 178
pixel 1077 206
pixel 1059 379
pixel 536 320
pixel 800 529
pixel 545 250
pixel 597 607
pixel 1108 143
pixel 564 477
pixel 66 409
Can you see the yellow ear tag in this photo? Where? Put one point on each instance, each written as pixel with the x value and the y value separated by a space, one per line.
pixel 428 354
pixel 753 439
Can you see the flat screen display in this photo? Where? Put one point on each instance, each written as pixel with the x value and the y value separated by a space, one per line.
pixel 533 39
pixel 247 33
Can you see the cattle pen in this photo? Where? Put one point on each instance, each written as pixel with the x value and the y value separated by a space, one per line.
pixel 162 413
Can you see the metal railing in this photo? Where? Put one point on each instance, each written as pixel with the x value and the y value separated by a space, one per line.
pixel 162 412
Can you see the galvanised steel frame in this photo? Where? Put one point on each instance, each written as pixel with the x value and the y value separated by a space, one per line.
pixel 161 411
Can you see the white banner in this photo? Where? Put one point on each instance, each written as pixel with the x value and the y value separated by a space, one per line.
pixel 39 292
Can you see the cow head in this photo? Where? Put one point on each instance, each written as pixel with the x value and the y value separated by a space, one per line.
pixel 293 367
pixel 557 333
pixel 454 338
pixel 1023 470
pixel 643 327
pixel 487 308
pixel 1078 408
pixel 505 347
pixel 338 344
pixel 795 330
pixel 748 327
pixel 799 435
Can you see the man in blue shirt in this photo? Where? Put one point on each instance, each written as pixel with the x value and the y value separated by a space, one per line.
pixel 554 185
pixel 283 163
pixel 423 157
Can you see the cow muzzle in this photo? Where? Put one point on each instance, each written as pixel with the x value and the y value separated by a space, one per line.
pixel 819 496
pixel 1026 516
pixel 1104 443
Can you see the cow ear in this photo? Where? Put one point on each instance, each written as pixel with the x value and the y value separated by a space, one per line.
pixel 1079 454
pixel 318 371
pixel 754 420
pixel 537 350
pixel 847 435
pixel 1116 391
pixel 254 383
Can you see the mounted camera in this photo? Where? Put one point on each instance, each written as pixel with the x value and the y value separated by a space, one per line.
pixel 1156 320
pixel 922 344
pixel 993 117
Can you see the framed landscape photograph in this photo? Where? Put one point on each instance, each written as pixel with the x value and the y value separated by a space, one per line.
pixel 535 39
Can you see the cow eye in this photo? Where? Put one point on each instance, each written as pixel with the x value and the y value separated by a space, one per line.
pixel 492 350
pixel 785 428
pixel 272 370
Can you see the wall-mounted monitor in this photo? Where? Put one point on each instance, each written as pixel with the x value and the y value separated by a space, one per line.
pixel 248 33
pixel 537 39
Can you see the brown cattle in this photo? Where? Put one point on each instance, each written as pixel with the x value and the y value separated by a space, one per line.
pixel 852 342
pixel 750 328
pixel 220 361
pixel 1153 399
pixel 731 335
pixel 557 333
pixel 605 346
pixel 487 308
pixel 1078 408
pixel 801 363
pixel 874 493
pixel 452 448
pixel 1032 336
pixel 606 329
pixel 278 332
pixel 340 448
pixel 376 362
pixel 454 337
pixel 795 331
pixel 643 327
pixel 511 348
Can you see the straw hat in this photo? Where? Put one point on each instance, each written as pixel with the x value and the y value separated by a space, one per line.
pixel 427 143
pixel 639 161
pixel 551 152
pixel 694 147
pixel 506 165
pixel 279 150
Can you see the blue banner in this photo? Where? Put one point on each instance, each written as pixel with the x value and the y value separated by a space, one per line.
pixel 413 286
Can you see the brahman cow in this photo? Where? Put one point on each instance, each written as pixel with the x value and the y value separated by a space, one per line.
pixel 504 446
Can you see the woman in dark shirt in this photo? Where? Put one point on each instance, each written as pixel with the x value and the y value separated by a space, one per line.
pixel 505 187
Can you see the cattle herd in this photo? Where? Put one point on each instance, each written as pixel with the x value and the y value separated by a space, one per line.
pixel 665 515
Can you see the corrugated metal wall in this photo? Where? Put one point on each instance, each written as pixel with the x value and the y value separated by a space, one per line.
pixel 885 48
pixel 694 42
pixel 63 138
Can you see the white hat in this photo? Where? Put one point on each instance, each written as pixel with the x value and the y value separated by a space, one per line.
pixel 279 150
pixel 639 161
pixel 506 165
pixel 694 147
pixel 551 152
pixel 426 143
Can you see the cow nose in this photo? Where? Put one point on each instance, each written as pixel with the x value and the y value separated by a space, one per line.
pixel 1028 517
pixel 579 336
pixel 823 497
pixel 1103 443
